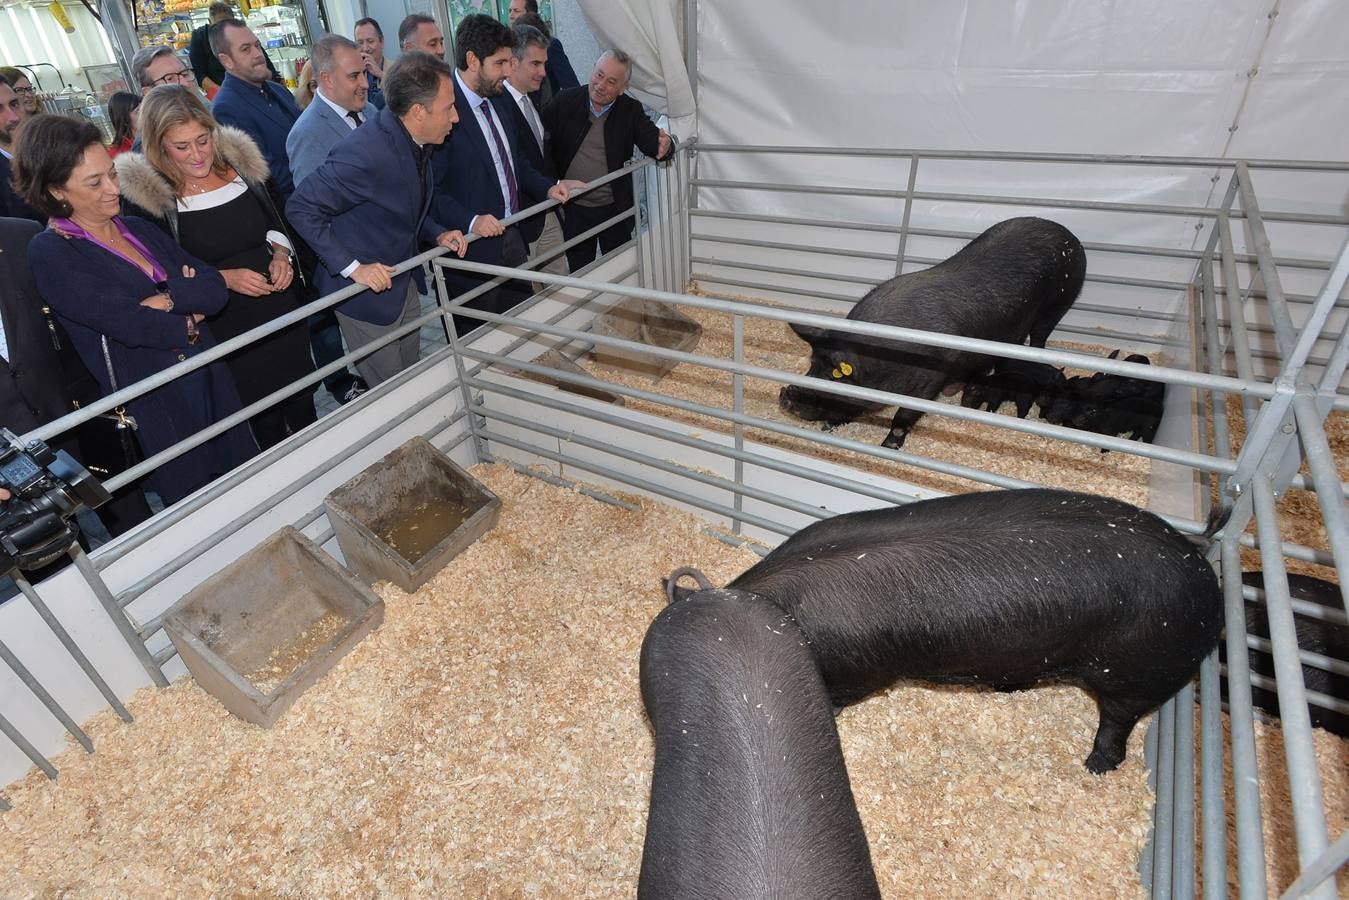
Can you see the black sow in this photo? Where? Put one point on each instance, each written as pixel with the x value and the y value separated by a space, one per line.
pixel 1013 282
pixel 749 794
pixel 1007 589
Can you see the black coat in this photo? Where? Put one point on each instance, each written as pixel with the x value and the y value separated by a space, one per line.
pixel 567 120
pixel 11 204
pixel 32 384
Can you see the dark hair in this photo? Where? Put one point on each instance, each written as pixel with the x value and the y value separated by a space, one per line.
pixel 533 20
pixel 221 8
pixel 372 23
pixel 216 35
pixel 413 78
pixel 527 36
pixel 47 149
pixel 482 36
pixel 120 107
pixel 531 6
pixel 408 27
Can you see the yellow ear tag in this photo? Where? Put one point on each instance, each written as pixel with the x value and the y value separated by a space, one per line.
pixel 845 368
pixel 836 373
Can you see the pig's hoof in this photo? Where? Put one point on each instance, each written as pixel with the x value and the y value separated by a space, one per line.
pixel 1099 763
pixel 894 441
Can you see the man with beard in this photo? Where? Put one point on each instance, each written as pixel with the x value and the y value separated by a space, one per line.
pixel 482 176
pixel 11 114
pixel 249 100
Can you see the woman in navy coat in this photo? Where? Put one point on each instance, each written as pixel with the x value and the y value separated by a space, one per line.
pixel 131 300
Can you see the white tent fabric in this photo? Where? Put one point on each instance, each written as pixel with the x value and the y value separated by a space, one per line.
pixel 649 30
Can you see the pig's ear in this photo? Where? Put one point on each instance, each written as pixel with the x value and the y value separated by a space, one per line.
pixel 808 333
pixel 1114 354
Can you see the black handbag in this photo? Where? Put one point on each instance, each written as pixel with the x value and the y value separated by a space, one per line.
pixel 107 443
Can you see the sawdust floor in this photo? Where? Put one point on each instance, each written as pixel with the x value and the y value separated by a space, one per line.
pixel 773 345
pixel 489 741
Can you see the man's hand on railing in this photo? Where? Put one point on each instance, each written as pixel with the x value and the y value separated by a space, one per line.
pixel 454 242
pixel 561 192
pixel 486 225
pixel 376 276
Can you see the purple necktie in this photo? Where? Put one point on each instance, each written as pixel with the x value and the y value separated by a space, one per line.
pixel 505 159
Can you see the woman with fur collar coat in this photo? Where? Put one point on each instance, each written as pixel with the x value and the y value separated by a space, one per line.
pixel 207 185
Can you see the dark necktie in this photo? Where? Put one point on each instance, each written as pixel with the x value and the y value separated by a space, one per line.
pixel 505 159
pixel 354 116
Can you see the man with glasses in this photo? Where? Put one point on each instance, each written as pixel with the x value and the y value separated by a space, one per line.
pixel 153 66
pixel 11 114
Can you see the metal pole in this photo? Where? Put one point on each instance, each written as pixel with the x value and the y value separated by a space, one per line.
pixel 1213 818
pixel 1245 769
pixel 43 695
pixel 9 731
pixel 1164 831
pixel 738 407
pixel 71 647
pixel 1182 840
pixel 1304 780
pixel 904 219
pixel 118 616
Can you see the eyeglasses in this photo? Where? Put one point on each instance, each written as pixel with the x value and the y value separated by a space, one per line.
pixel 25 90
pixel 179 77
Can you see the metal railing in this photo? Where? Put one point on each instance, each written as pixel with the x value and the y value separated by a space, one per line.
pixel 1205 330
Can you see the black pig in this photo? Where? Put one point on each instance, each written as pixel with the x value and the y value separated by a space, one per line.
pixel 1327 638
pixel 1014 281
pixel 749 793
pixel 1110 404
pixel 1021 381
pixel 1003 588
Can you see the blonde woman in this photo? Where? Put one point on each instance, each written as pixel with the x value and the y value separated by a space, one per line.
pixel 207 185
pixel 309 83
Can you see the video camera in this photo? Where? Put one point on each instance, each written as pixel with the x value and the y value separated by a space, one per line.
pixel 47 488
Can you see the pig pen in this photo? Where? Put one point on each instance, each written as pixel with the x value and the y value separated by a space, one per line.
pixel 1199 808
pixel 489 740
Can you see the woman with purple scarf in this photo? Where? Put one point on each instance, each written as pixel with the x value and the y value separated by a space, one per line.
pixel 131 300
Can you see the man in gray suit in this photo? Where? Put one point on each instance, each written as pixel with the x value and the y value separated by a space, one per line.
pixel 340 105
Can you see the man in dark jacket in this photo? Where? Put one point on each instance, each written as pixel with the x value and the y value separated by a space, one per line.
pixel 11 204
pixel 249 99
pixel 366 207
pixel 593 130
pixel 206 66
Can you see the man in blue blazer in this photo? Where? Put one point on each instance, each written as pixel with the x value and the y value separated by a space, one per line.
pixel 340 105
pixel 248 99
pixel 365 208
pixel 481 175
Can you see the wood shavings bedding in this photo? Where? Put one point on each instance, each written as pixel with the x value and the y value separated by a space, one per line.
pixel 772 344
pixel 489 741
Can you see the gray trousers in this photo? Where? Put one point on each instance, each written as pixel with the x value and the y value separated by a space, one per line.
pixel 551 239
pixel 392 358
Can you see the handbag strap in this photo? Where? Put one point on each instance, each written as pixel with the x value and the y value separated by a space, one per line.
pixel 107 360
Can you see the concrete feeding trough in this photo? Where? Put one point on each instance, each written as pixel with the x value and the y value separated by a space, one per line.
pixel 649 322
pixel 259 632
pixel 403 519
pixel 555 360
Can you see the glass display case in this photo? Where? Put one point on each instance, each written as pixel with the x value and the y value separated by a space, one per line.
pixel 282 28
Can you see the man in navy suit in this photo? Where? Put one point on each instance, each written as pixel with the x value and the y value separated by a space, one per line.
pixel 365 208
pixel 481 175
pixel 517 105
pixel 248 99
pixel 340 105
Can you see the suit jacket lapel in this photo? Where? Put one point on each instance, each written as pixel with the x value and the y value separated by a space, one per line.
pixel 475 133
